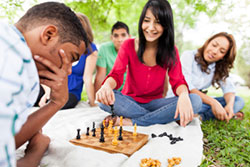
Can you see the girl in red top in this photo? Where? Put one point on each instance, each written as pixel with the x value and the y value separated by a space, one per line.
pixel 147 61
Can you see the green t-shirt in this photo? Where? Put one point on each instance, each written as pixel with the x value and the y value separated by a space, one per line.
pixel 106 58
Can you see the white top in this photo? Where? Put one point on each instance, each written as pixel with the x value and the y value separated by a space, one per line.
pixel 197 79
pixel 19 88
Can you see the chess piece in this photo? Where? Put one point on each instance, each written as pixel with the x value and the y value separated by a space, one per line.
pixel 93 134
pixel 112 110
pixel 121 118
pixel 153 135
pixel 93 126
pixel 103 123
pixel 78 134
pixel 115 141
pixel 135 133
pixel 110 127
pixel 120 134
pixel 116 131
pixel 102 135
pixel 87 133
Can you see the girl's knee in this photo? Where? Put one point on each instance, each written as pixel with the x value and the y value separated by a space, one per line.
pixel 239 102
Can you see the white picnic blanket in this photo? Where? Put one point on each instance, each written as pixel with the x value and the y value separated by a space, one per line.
pixel 61 153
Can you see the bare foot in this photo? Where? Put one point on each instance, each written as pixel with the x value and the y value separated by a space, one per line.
pixel 38 144
pixel 239 115
pixel 125 122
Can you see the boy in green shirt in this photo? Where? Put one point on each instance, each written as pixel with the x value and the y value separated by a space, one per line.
pixel 108 53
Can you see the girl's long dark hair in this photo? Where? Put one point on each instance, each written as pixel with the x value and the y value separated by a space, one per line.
pixel 223 66
pixel 166 54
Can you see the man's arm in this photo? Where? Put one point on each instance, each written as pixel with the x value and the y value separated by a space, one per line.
pixel 99 78
pixel 57 79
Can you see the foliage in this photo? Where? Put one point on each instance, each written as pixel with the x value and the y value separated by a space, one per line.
pixel 186 14
pixel 8 9
pixel 104 13
pixel 227 144
pixel 243 63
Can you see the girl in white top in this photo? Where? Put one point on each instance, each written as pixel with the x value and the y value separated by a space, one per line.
pixel 210 65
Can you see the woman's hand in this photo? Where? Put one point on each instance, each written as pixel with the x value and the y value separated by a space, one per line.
pixel 105 95
pixel 230 112
pixel 218 111
pixel 184 109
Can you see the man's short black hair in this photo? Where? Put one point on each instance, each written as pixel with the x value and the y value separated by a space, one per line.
pixel 69 26
pixel 119 25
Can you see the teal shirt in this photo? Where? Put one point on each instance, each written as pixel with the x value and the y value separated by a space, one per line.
pixel 106 58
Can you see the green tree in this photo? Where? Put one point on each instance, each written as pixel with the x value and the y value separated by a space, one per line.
pixel 104 13
pixel 186 13
pixel 9 9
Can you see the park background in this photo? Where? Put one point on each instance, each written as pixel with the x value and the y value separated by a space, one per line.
pixel 225 144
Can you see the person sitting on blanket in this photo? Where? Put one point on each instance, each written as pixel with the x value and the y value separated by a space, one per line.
pixel 108 53
pixel 82 72
pixel 210 65
pixel 141 100
pixel 41 45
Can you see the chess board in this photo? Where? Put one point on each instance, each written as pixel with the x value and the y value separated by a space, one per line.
pixel 127 146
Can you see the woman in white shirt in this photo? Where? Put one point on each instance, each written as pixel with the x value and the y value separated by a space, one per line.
pixel 210 65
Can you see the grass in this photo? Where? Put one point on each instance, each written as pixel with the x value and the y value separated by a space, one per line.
pixel 225 144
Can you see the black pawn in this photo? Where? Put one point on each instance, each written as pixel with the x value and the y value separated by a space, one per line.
pixel 78 134
pixel 120 134
pixel 87 133
pixel 93 134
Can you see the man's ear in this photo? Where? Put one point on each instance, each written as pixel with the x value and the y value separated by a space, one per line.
pixel 48 34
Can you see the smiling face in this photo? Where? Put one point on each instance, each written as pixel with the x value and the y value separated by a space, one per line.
pixel 216 49
pixel 118 37
pixel 151 27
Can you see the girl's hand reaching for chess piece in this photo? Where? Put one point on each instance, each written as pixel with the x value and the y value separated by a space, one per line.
pixel 105 94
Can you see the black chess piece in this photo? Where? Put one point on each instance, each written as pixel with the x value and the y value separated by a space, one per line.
pixel 102 135
pixel 102 129
pixel 170 137
pixel 78 134
pixel 93 134
pixel 173 142
pixel 160 135
pixel 93 126
pixel 165 134
pixel 153 135
pixel 120 134
pixel 87 133
pixel 112 110
pixel 180 139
